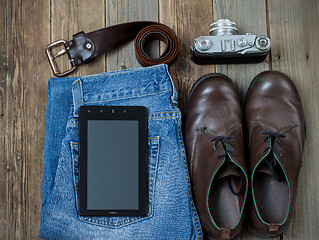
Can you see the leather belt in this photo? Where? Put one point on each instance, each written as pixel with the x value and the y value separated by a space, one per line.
pixel 84 47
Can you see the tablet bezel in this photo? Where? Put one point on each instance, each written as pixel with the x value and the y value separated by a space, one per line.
pixel 138 113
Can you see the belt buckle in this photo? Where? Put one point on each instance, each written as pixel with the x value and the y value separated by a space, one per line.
pixel 52 56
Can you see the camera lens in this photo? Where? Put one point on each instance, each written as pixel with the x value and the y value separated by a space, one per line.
pixel 223 27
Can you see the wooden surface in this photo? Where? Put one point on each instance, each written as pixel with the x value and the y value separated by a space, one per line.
pixel 26 27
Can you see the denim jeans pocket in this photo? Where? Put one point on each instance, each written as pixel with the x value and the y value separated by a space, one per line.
pixel 117 222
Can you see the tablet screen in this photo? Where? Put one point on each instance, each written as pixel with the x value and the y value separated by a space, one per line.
pixel 112 169
pixel 113 161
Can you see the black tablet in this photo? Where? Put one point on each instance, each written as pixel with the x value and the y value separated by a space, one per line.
pixel 113 161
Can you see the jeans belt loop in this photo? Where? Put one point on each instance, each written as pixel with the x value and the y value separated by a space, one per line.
pixel 78 99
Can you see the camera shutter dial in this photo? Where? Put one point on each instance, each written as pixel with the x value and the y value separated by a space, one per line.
pixel 203 43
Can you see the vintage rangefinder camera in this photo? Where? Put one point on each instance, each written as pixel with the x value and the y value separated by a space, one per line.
pixel 224 46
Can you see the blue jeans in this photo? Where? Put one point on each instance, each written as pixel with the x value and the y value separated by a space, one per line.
pixel 172 213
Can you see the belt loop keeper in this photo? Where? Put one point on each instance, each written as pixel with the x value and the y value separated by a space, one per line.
pixel 174 91
pixel 77 94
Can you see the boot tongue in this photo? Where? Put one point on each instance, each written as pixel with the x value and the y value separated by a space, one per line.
pixel 233 174
pixel 271 168
pixel 229 169
pixel 264 169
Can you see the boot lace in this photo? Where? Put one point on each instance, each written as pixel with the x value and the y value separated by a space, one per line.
pixel 274 138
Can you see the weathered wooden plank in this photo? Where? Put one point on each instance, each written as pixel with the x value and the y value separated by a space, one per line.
pixel 6 72
pixel 122 11
pixel 23 74
pixel 189 19
pixel 250 17
pixel 295 33
pixel 71 17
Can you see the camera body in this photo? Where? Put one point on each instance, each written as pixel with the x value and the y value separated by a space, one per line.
pixel 224 46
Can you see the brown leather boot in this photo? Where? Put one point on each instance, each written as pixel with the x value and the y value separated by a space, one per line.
pixel 276 128
pixel 213 135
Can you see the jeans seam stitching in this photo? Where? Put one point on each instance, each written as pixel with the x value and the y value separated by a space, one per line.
pixel 128 97
pixel 163 117
pixel 159 113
